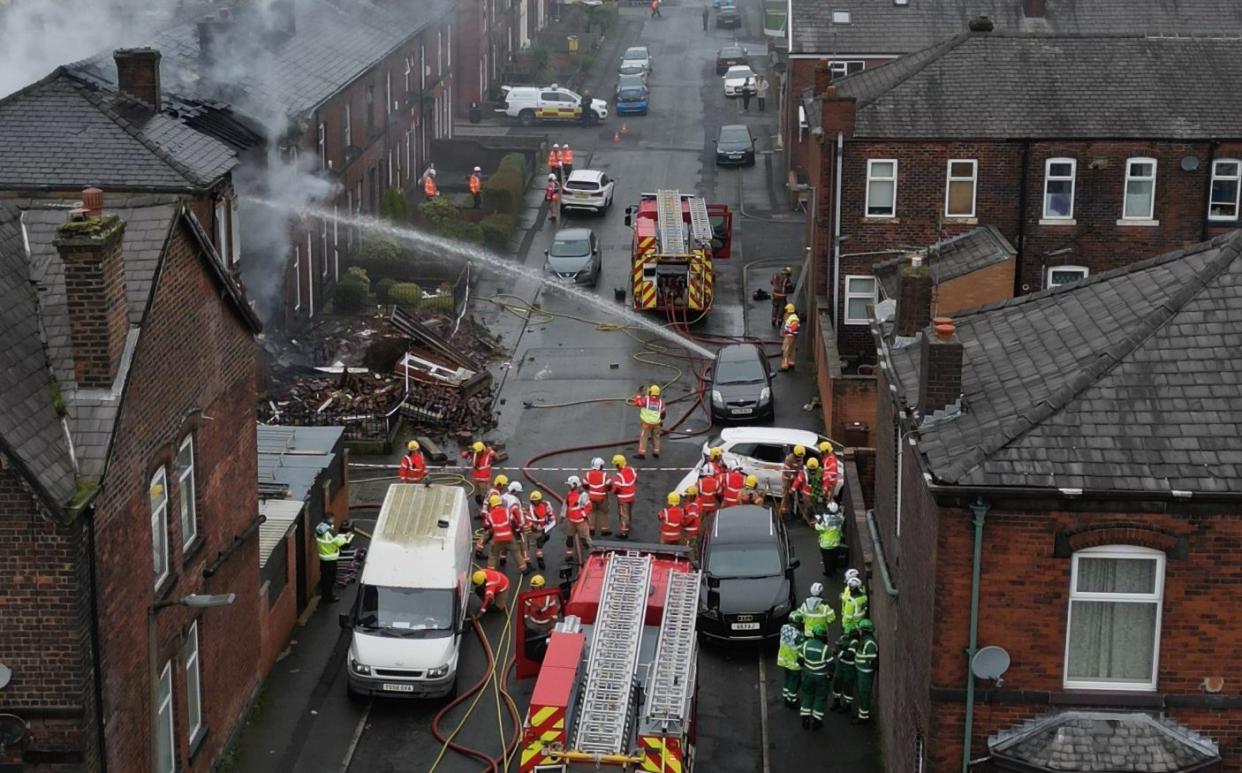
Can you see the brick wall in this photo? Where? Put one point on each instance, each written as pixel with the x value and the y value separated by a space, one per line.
pixel 979 288
pixel 194 371
pixel 278 617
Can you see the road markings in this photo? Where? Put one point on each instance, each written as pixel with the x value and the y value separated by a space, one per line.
pixel 763 713
pixel 357 736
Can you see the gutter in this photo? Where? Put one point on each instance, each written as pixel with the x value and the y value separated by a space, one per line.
pixel 941 492
pixel 836 232
pixel 980 512
pixel 234 546
pixel 889 587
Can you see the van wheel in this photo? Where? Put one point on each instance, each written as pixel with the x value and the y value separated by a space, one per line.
pixel 526 117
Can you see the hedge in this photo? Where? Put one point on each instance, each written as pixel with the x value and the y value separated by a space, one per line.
pixel 515 162
pixel 381 288
pixel 359 275
pixel 440 304
pixel 350 296
pixel 504 192
pixel 438 211
pixel 381 257
pixel 393 207
pixel 407 294
pixel 461 231
pixel 498 230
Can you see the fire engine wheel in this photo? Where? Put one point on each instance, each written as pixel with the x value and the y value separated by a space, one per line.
pixel 526 117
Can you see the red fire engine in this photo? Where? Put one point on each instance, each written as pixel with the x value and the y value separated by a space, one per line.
pixel 617 683
pixel 676 238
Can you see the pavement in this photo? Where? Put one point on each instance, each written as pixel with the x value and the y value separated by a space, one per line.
pixel 304 720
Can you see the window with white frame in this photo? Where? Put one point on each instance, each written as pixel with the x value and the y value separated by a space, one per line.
pixel 336 243
pixel 166 759
pixel 448 46
pixel 439 53
pixel 186 491
pixel 1112 639
pixel 1140 201
pixel 297 277
pixel 159 524
pixel 388 106
pixel 193 683
pixel 323 146
pixel 1059 188
pixel 881 188
pixel 235 230
pixel 1063 275
pixel 349 127
pixel 959 192
pixel 323 239
pixel 859 296
pixel 222 230
pixel 842 68
pixel 1223 203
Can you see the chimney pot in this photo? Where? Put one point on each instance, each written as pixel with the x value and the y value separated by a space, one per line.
pixel 981 24
pixel 92 201
pixel 138 74
pixel 945 330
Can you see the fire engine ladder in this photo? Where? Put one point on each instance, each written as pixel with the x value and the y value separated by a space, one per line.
pixel 613 660
pixel 669 691
pixel 700 223
pixel 668 209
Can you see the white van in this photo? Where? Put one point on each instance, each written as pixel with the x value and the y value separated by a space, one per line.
pixel 409 617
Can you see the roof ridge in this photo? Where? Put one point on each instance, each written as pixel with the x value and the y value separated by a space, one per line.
pixel 934 52
pixel 1105 361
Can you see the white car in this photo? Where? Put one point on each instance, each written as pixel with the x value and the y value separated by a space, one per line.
pixel 637 55
pixel 587 189
pixel 531 103
pixel 762 452
pixel 735 78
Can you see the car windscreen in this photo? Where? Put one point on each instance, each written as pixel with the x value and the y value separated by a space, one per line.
pixel 405 611
pixel 731 53
pixel 735 135
pixel 632 92
pixel 726 560
pixel 569 248
pixel 740 371
pixel 630 68
pixel 740 72
pixel 635 53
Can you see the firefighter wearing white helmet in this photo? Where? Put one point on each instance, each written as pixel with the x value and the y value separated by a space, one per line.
pixel 828 528
pixel 853 603
pixel 597 483
pixel 552 195
pixel 476 186
pixel 577 516
pixel 814 615
pixel 789 337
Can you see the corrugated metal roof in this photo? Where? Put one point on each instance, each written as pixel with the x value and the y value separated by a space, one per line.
pixel 295 456
pixel 281 515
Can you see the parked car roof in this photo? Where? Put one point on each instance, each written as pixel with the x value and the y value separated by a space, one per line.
pixel 585 175
pixel 743 523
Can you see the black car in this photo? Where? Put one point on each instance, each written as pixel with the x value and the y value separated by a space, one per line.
pixel 735 146
pixel 574 256
pixel 729 17
pixel 748 575
pixel 729 56
pixel 741 384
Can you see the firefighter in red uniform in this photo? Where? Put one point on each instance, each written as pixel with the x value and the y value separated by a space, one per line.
pixel 481 458
pixel 567 159
pixel 476 187
pixel 750 493
pixel 597 484
pixel 540 518
pixel 552 195
pixel 504 541
pixel 577 516
pixel 715 459
pixel 625 486
pixel 541 614
pixel 799 489
pixel 733 482
pixel 709 491
pixel 554 162
pixel 413 465
pixel 692 520
pixel 671 518
pixel 651 414
pixel 831 470
pixel 491 585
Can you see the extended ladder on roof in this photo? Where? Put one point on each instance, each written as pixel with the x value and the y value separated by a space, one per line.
pixel 700 223
pixel 668 209
pixel 613 660
pixel 668 694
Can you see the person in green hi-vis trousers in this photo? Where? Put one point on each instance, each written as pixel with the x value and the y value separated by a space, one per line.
pixel 865 653
pixel 815 658
pixel 843 677
pixel 787 659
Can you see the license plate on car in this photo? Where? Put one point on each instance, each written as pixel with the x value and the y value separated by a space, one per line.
pixel 735 155
pixel 745 626
pixel 742 411
pixel 398 687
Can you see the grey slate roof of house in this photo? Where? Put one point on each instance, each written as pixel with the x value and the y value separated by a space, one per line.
pixel 1127 380
pixel 887 28
pixel 955 257
pixel 997 86
pixel 1111 741
pixel 64 132
pixel 333 44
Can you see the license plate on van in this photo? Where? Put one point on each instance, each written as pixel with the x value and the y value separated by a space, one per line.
pixel 398 687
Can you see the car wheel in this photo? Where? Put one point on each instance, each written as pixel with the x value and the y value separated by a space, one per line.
pixel 526 117
pixel 751 162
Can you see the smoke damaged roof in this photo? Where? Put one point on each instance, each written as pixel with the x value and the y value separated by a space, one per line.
pixel 64 132
pixel 270 75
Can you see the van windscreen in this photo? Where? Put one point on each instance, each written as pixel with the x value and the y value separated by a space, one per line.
pixel 405 611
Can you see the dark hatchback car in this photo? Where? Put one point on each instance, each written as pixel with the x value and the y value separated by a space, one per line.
pixel 574 256
pixel 748 576
pixel 632 95
pixel 728 57
pixel 728 17
pixel 735 146
pixel 741 384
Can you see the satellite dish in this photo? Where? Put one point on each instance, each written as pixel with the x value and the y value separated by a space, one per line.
pixel 1189 163
pixel 12 730
pixel 991 662
pixel 6 676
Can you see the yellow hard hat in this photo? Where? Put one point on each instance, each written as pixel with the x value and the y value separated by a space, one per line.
pixel 494 499
pixel 502 480
pixel 674 498
pixel 654 390
pixel 752 481
pixel 692 491
pixel 536 496
pixel 716 452
pixel 477 447
pixel 412 445
pixel 479 577
pixel 537 581
pixel 799 450
pixel 618 460
pixel 825 447
pixel 789 308
pixel 812 463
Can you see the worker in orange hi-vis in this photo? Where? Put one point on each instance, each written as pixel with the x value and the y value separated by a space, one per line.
pixel 429 184
pixel 476 187
pixel 692 520
pixel 671 518
pixel 554 160
pixel 567 161
pixel 491 586
pixel 651 414
pixel 789 337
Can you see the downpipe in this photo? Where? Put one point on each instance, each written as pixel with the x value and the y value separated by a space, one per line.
pixel 836 227
pixel 980 512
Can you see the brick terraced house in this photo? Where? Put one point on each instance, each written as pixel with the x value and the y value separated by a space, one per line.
pixel 1059 475
pixel 128 487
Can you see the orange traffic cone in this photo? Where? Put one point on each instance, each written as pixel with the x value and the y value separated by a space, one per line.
pixel 616 136
pixel 623 129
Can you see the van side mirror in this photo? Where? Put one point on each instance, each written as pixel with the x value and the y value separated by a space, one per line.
pixel 713 599
pixel 345 621
pixel 713 582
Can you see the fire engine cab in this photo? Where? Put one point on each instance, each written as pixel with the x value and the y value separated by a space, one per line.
pixel 676 238
pixel 617 682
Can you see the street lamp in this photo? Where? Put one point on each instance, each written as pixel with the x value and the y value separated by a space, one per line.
pixel 193 601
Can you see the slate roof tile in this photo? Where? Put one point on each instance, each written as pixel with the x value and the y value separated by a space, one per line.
pixel 952 258
pixel 1105 741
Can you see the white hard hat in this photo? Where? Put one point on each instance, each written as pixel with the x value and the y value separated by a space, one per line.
pixel 478 169
pixel 573 481
pixel 515 487
pixel 854 582
pixel 817 589
pixel 551 176
pixel 833 508
pixel 555 145
pixel 597 463
pixel 432 171
pixel 851 573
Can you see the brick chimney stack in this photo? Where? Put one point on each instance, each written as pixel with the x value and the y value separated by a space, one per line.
pixel 914 297
pixel 1034 9
pixel 823 77
pixel 89 244
pixel 138 74
pixel 940 372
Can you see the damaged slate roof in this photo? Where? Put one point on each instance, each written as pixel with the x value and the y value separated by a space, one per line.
pixel 955 257
pixel 64 132
pixel 1126 380
pixel 994 85
pixel 888 28
pixel 1105 741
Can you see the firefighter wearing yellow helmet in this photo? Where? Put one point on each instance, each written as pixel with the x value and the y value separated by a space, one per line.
pixel 651 414
pixel 789 337
pixel 625 488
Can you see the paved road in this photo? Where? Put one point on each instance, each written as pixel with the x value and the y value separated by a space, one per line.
pixel 743 728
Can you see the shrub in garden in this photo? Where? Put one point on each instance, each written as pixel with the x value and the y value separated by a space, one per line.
pixel 461 231
pixel 393 207
pixel 514 162
pixel 359 275
pixel 381 288
pixel 407 294
pixel 381 257
pixel 439 304
pixel 498 230
pixel 439 210
pixel 350 295
pixel 503 192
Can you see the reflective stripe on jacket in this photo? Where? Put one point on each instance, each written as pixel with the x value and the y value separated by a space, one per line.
pixel 475 184
pixel 597 484
pixel 670 524
pixel 692 519
pixel 650 409
pixel 814 656
pixel 481 464
pixel 708 488
pixel 429 186
pixel 625 484
pixel 413 467
pixel 329 545
pixel 499 524
pixel 734 482
pixel 577 505
pixel 538 515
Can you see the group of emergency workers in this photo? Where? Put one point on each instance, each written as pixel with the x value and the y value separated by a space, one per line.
pixel 560 166
pixel 475 182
